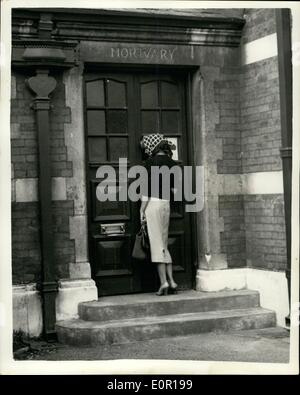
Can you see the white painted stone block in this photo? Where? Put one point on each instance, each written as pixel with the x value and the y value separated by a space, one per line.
pixel 26 190
pixel 272 286
pixel 59 191
pixel 27 310
pixel 273 290
pixel 218 280
pixel 13 191
pixel 72 292
pixel 269 182
pixel 260 49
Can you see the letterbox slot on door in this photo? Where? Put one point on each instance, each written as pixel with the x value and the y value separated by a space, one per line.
pixel 112 229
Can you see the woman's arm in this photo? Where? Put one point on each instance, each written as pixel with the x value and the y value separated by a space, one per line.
pixel 144 204
pixel 145 199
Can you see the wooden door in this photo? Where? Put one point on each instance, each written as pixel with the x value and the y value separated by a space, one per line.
pixel 119 109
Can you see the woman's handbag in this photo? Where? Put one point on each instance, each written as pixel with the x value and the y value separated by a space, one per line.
pixel 141 247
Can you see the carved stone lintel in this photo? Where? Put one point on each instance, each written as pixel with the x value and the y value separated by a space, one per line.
pixel 46 54
pixel 35 53
pixel 42 84
pixel 45 25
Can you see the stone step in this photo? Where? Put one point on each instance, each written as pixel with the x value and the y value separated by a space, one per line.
pixel 145 305
pixel 91 333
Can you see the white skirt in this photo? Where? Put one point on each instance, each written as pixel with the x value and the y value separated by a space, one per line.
pixel 157 215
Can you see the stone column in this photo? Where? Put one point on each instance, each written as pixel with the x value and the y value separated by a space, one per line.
pixel 79 287
pixel 76 185
pixel 208 150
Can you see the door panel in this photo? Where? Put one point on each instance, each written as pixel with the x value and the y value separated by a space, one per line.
pixel 119 109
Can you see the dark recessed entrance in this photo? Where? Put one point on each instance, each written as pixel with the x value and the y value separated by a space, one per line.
pixel 119 109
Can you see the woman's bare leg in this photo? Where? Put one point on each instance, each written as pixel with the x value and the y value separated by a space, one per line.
pixel 164 285
pixel 169 270
pixel 161 269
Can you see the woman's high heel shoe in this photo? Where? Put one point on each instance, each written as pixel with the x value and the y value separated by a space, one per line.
pixel 163 290
pixel 173 289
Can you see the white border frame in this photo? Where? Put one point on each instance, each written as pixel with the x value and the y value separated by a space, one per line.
pixel 7 364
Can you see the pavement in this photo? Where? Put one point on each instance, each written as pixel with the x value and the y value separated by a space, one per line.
pixel 256 345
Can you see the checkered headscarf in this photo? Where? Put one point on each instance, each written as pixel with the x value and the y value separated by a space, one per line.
pixel 151 141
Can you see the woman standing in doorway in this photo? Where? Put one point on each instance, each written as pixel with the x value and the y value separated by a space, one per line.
pixel 155 209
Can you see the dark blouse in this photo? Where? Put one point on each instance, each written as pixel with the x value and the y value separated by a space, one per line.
pixel 159 160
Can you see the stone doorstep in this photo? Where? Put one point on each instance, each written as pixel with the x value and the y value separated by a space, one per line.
pixel 130 318
pixel 80 332
pixel 152 297
pixel 145 305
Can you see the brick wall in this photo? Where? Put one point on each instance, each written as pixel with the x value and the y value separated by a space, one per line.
pixel 260 144
pixel 265 231
pixel 260 116
pixel 26 248
pixel 226 92
pixel 24 135
pixel 233 241
pixel 260 22
pixel 254 231
pixel 259 100
pixel 26 253
pixel 23 130
pixel 249 126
